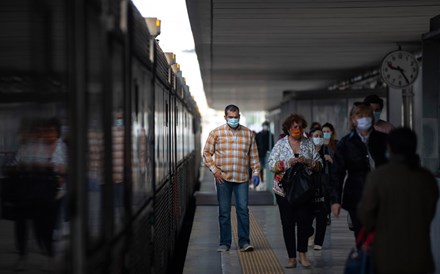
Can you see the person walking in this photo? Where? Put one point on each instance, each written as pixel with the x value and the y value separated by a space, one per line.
pixel 265 143
pixel 320 204
pixel 357 153
pixel 376 104
pixel 39 167
pixel 398 205
pixel 288 151
pixel 328 151
pixel 229 151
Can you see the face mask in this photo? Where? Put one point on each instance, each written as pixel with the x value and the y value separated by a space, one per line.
pixel 295 133
pixel 327 135
pixel 364 123
pixel 265 128
pixel 318 141
pixel 232 122
pixel 377 115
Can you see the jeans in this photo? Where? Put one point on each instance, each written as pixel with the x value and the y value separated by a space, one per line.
pixel 224 195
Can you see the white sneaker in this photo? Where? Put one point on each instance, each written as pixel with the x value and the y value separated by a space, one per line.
pixel 261 187
pixel 317 247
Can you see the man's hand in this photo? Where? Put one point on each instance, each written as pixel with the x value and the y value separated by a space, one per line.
pixel 255 181
pixel 336 209
pixel 218 177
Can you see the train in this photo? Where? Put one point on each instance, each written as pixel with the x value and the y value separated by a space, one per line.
pixel 129 122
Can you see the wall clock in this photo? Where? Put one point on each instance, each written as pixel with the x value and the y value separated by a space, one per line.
pixel 399 69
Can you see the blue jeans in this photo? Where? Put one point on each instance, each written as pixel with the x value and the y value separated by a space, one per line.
pixel 224 195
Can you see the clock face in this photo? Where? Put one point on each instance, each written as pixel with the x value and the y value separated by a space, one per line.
pixel 399 69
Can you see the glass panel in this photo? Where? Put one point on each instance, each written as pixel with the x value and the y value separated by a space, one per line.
pixel 33 132
pixel 118 133
pixel 95 131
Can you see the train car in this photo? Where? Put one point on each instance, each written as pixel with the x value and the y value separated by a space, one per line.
pixel 128 122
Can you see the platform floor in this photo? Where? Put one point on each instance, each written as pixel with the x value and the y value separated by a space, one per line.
pixel 266 236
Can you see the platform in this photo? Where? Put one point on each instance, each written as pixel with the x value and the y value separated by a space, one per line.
pixel 270 255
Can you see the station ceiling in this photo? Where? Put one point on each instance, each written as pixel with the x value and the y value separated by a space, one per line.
pixel 251 51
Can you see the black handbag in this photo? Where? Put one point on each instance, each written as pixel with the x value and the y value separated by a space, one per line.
pixel 298 185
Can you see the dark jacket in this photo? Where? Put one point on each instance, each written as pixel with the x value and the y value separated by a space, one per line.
pixel 265 142
pixel 399 203
pixel 351 158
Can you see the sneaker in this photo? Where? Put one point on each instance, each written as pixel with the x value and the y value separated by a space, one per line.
pixel 247 247
pixel 223 248
pixel 317 247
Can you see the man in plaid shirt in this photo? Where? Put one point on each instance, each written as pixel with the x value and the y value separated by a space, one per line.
pixel 228 152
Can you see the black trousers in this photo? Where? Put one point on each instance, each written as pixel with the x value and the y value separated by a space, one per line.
pixel 43 218
pixel 355 222
pixel 299 217
pixel 320 216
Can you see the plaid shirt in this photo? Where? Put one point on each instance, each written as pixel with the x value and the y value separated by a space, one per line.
pixel 232 151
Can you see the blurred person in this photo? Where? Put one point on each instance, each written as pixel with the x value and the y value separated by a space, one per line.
pixel 265 142
pixel 229 151
pixel 118 131
pixel 320 204
pixel 328 150
pixel 376 104
pixel 398 205
pixel 315 125
pixel 312 127
pixel 357 153
pixel 288 151
pixel 40 165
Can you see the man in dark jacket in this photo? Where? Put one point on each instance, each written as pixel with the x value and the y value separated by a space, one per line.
pixel 398 204
pixel 265 143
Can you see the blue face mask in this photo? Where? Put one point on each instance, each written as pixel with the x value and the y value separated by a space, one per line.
pixel 327 135
pixel 232 122
pixel 364 123
pixel 377 115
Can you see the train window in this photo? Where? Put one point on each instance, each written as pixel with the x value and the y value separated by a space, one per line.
pixel 141 170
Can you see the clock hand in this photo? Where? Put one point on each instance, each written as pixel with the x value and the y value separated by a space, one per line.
pixel 403 74
pixel 390 65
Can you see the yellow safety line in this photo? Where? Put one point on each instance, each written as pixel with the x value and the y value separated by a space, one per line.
pixel 263 258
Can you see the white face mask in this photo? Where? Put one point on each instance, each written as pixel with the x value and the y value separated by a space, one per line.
pixel 364 123
pixel 318 141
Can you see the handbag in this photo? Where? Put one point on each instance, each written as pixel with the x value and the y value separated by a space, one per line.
pixel 359 260
pixel 298 185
